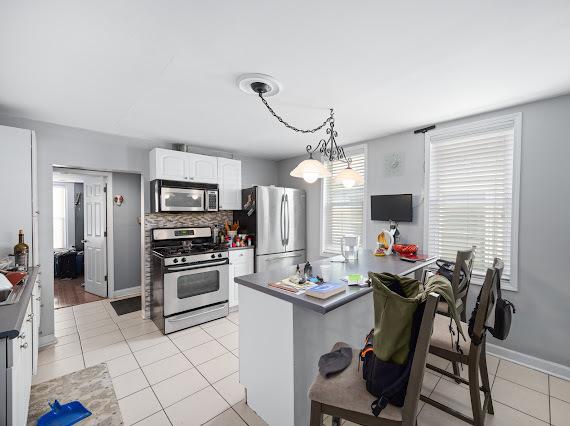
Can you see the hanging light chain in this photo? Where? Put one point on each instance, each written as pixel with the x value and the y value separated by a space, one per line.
pixel 289 126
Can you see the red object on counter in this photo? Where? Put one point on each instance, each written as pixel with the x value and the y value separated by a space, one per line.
pixel 405 249
pixel 15 277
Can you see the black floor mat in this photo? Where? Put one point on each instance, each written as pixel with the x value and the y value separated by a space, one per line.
pixel 126 306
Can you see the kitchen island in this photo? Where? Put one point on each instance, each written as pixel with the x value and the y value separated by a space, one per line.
pixel 282 335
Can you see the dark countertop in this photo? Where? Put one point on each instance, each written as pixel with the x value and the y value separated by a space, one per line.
pixel 366 262
pixel 12 316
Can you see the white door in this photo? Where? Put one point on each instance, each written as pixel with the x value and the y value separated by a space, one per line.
pixel 95 235
pixel 229 174
pixel 203 168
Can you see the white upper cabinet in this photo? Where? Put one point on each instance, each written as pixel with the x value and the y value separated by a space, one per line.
pixel 229 173
pixel 203 168
pixel 169 165
pixel 182 166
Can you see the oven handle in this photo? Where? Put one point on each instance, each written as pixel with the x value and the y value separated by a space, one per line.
pixel 203 265
pixel 195 315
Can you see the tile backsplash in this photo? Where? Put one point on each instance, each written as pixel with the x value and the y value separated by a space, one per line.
pixel 171 220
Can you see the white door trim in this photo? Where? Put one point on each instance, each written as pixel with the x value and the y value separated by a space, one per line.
pixel 109 212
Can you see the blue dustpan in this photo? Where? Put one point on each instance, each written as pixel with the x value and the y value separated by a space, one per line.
pixel 64 415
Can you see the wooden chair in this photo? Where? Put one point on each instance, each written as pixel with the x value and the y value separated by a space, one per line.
pixel 474 352
pixel 460 285
pixel 345 395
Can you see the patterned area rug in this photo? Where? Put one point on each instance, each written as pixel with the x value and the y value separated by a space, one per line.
pixel 91 386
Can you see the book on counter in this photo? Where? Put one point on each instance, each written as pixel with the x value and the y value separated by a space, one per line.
pixel 326 290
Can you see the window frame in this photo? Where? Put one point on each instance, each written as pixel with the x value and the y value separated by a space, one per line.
pixel 65 218
pixel 464 130
pixel 322 245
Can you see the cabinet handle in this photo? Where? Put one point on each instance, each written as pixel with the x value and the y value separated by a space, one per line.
pixel 22 336
pixel 24 346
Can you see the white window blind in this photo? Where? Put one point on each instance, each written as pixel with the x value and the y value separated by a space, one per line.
pixel 59 216
pixel 472 175
pixel 343 208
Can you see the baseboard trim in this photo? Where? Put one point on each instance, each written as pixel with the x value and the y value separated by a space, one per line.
pixel 131 291
pixel 47 340
pixel 539 364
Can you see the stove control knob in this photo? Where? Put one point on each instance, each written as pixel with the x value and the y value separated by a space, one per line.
pixel 175 260
pixel 219 254
pixel 183 259
pixel 213 256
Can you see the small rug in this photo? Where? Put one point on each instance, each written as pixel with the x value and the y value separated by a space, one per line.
pixel 126 306
pixel 91 386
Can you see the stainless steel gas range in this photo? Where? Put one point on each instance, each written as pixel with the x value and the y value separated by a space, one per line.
pixel 190 278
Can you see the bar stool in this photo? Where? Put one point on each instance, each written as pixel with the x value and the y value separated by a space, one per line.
pixel 345 396
pixel 473 351
pixel 460 281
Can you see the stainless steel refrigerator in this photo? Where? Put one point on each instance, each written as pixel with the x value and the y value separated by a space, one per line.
pixel 277 217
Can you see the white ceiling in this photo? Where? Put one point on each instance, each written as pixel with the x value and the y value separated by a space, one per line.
pixel 166 70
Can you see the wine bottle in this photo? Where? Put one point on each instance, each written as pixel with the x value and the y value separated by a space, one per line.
pixel 21 252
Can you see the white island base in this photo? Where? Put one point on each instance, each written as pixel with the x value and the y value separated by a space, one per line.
pixel 280 346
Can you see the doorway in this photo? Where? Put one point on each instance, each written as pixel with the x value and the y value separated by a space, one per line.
pixel 80 237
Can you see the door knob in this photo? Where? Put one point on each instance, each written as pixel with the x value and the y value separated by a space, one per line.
pixel 83 241
pixel 24 346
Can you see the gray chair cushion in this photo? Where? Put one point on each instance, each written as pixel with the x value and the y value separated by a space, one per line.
pixel 347 390
pixel 442 338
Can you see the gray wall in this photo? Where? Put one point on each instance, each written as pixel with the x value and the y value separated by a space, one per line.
pixel 541 324
pixel 127 231
pixel 80 148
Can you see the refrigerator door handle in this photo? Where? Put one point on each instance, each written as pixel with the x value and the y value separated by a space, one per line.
pixel 282 220
pixel 288 218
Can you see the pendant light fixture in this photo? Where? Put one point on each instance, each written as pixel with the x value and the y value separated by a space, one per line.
pixel 310 169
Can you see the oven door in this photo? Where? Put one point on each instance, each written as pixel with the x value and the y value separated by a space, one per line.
pixel 182 200
pixel 192 287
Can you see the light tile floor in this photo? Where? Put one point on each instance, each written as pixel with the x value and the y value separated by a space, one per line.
pixel 192 376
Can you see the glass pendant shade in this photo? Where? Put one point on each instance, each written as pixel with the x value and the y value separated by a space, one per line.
pixel 310 170
pixel 349 177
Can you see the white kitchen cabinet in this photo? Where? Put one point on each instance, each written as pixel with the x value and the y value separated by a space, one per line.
pixel 36 316
pixel 168 164
pixel 241 263
pixel 20 373
pixel 203 168
pixel 229 173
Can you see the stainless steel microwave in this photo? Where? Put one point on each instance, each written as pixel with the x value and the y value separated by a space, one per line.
pixel 172 196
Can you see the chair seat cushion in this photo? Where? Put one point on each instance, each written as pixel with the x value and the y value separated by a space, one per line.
pixel 442 307
pixel 347 390
pixel 442 338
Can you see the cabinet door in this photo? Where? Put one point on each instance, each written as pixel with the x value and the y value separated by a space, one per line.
pixel 36 315
pixel 170 165
pixel 20 377
pixel 233 287
pixel 203 168
pixel 230 184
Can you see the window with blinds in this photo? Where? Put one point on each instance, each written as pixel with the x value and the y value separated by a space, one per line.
pixel 472 181
pixel 343 208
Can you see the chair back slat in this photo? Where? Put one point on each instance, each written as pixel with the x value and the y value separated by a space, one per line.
pixel 419 362
pixel 463 264
pixel 487 298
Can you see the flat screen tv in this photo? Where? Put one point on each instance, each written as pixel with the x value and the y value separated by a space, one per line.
pixel 397 208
